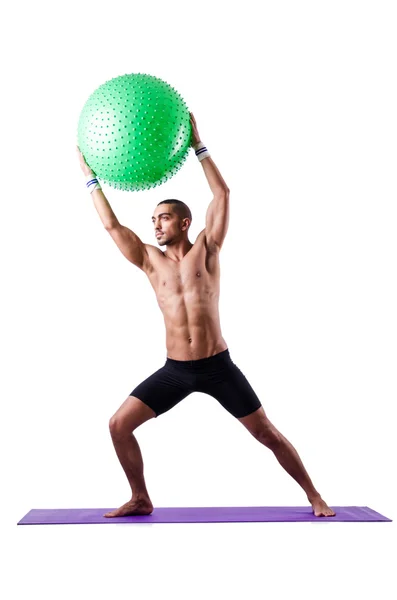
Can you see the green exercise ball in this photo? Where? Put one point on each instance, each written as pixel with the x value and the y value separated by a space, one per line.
pixel 134 132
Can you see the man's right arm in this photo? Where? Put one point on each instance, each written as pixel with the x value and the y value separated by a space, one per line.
pixel 104 209
pixel 126 240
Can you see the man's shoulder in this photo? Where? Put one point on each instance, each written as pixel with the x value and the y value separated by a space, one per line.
pixel 153 254
pixel 153 250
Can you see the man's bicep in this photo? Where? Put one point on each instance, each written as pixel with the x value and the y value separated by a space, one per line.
pixel 217 220
pixel 130 245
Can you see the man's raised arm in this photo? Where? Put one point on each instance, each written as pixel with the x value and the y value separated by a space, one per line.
pixel 217 217
pixel 103 207
pixel 126 240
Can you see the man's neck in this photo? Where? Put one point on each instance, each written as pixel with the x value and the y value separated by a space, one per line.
pixel 176 252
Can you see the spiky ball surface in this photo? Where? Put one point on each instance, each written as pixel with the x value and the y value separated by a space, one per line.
pixel 134 132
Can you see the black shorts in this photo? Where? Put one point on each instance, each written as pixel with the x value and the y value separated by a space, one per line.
pixel 216 375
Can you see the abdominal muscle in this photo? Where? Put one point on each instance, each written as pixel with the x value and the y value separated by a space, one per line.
pixel 192 329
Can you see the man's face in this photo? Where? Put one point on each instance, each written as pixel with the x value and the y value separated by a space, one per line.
pixel 166 224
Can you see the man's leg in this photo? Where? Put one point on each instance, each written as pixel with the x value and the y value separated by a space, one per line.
pixel 129 416
pixel 159 393
pixel 264 431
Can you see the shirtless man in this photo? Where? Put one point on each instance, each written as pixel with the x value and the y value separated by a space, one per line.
pixel 185 279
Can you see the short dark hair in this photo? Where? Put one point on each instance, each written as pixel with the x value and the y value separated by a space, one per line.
pixel 181 209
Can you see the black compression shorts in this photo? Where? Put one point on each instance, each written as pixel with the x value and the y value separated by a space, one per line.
pixel 216 375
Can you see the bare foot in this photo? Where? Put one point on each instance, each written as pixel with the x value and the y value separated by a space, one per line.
pixel 320 508
pixel 133 507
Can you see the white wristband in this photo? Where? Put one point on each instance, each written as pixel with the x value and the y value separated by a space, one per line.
pixel 92 183
pixel 201 151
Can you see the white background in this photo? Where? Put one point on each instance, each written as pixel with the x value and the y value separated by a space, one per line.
pixel 296 102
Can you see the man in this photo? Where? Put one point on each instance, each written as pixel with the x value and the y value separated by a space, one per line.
pixel 186 279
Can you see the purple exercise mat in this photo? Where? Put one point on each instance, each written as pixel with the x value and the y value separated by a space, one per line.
pixel 203 514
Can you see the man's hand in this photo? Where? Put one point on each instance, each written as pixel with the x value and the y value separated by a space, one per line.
pixel 84 167
pixel 195 133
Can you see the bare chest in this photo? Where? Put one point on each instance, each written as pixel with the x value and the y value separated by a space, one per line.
pixel 196 275
pixel 190 275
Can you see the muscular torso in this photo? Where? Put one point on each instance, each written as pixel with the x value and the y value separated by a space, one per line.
pixel 188 295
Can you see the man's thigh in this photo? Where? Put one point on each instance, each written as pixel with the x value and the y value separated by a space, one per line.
pixel 232 390
pixel 162 390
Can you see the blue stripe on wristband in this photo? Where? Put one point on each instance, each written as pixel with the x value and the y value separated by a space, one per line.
pixel 201 151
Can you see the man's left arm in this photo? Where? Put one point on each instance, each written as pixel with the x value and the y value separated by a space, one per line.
pixel 217 217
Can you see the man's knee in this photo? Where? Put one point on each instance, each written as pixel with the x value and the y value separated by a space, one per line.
pixel 117 428
pixel 268 435
pixel 131 414
pixel 120 427
pixel 261 428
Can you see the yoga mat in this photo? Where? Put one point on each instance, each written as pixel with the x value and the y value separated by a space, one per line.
pixel 228 514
